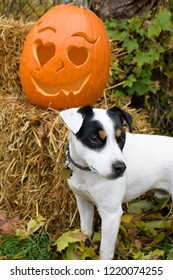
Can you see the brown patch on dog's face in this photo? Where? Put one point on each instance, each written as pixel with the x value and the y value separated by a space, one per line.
pixel 102 134
pixel 118 133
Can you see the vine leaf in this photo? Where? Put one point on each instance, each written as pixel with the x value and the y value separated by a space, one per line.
pixel 69 237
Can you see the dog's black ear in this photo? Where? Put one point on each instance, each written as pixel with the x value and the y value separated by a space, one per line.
pixel 124 116
pixel 128 119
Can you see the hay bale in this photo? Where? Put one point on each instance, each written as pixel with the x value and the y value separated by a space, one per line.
pixel 33 143
pixel 31 157
pixel 12 37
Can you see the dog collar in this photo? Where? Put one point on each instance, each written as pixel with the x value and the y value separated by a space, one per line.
pixel 69 159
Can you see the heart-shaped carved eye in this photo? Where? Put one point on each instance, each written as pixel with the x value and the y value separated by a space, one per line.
pixel 78 56
pixel 43 53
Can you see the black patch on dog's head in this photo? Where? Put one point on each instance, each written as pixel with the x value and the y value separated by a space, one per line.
pixel 118 117
pixel 116 113
pixel 91 134
pixel 86 111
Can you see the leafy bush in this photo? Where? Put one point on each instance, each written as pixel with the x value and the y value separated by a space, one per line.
pixel 143 61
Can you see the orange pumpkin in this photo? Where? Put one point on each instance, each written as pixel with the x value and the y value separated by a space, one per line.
pixel 65 60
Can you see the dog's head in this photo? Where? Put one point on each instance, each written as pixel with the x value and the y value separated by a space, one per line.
pixel 98 138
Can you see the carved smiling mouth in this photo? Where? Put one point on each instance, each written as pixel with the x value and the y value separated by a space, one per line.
pixel 54 89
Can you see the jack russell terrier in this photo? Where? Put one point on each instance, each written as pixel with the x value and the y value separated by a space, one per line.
pixel 110 167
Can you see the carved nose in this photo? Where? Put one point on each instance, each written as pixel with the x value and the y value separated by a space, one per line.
pixel 118 167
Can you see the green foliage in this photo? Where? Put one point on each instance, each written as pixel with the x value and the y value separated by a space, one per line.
pixel 142 64
pixel 145 42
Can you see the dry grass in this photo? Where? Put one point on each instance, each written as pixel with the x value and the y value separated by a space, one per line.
pixel 33 142
pixel 12 37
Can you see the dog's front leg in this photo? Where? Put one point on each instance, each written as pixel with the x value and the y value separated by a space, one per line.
pixel 110 226
pixel 86 212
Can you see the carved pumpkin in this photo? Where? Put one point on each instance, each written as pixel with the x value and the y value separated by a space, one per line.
pixel 65 60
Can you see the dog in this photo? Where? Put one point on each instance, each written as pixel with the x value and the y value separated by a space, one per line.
pixel 110 166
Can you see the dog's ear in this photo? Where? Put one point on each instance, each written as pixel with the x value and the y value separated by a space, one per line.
pixel 128 119
pixel 124 116
pixel 74 117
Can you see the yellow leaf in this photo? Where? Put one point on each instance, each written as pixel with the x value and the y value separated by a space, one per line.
pixel 68 237
pixel 128 218
pixel 22 233
pixel 35 224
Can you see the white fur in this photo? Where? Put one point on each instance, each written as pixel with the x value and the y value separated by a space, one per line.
pixel 72 119
pixel 149 161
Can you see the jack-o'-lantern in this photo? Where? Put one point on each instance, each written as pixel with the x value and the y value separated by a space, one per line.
pixel 65 60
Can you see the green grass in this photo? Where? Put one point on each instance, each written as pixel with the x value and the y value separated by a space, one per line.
pixel 33 248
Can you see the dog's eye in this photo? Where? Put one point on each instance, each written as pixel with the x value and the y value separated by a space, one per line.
pixel 121 139
pixel 94 138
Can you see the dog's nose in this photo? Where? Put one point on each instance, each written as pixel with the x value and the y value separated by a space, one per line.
pixel 118 167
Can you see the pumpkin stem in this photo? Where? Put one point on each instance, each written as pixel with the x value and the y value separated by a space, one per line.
pixel 80 3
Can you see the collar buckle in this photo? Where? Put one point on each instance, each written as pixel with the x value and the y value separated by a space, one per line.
pixel 67 159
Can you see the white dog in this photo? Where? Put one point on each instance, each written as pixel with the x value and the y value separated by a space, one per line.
pixel 110 166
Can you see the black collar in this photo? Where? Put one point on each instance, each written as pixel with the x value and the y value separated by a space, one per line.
pixel 69 159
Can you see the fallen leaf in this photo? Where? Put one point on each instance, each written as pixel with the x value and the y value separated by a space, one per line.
pixel 138 243
pixel 158 238
pixel 96 237
pixel 159 224
pixel 8 226
pixel 72 252
pixel 129 218
pixel 22 233
pixel 170 254
pixel 132 232
pixel 141 224
pixel 123 231
pixel 156 254
pixel 163 202
pixel 2 219
pixel 54 238
pixel 139 207
pixel 68 237
pixel 35 224
pixel 74 245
